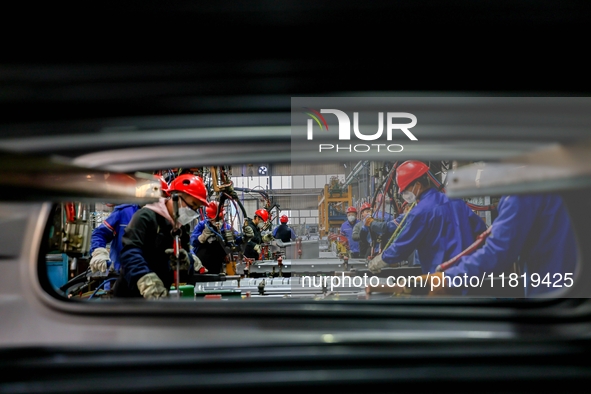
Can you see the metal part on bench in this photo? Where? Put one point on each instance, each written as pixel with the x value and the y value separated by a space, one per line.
pixel 326 266
pixel 285 287
pixel 302 266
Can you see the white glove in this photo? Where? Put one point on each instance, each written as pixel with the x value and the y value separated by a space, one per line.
pixel 185 263
pixel 257 248
pixel 376 264
pixel 98 262
pixel 268 237
pixel 229 236
pixel 151 287
pixel 248 232
pixel 198 266
pixel 205 235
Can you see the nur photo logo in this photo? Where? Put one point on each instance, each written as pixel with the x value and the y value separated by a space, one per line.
pixel 391 124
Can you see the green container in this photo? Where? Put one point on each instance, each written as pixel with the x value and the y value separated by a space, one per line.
pixel 186 290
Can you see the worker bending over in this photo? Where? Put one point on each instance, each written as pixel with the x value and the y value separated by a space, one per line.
pixel 148 260
pixel 252 233
pixel 208 240
pixel 437 227
pixel 534 229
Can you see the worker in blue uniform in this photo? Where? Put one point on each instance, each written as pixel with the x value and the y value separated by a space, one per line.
pixel 283 231
pixel 347 230
pixel 110 231
pixel 210 240
pixel 534 229
pixel 438 227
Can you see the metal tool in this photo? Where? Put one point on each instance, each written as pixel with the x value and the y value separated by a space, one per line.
pixel 176 245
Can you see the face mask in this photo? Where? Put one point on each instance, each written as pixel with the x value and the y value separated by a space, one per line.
pixel 409 196
pixel 351 218
pixel 186 215
pixel 261 225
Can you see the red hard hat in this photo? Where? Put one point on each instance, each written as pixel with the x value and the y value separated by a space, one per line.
pixel 190 184
pixel 284 219
pixel 212 210
pixel 365 206
pixel 263 214
pixel 351 210
pixel 408 172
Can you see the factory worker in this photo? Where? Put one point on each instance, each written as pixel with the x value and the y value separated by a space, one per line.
pixel 209 239
pixel 148 260
pixel 110 232
pixel 437 227
pixel 378 225
pixel 283 231
pixel 347 230
pixel 536 231
pixel 361 233
pixel 252 233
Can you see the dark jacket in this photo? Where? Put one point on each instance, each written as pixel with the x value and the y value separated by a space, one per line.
pixel 256 240
pixel 361 235
pixel 284 233
pixel 213 252
pixel 146 238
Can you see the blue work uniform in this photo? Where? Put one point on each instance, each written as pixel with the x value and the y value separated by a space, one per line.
pixel 284 233
pixel 212 253
pixel 535 229
pixel 438 228
pixel 111 230
pixel 347 230
pixel 386 229
pixel 379 232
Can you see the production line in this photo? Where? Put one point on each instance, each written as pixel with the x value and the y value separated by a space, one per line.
pixel 260 242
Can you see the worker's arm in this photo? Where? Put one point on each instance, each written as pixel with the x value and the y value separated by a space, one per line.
pixel 197 231
pixel 407 241
pixel 380 228
pixel 105 232
pixel 141 230
pixel 253 244
pixel 356 235
pixel 503 246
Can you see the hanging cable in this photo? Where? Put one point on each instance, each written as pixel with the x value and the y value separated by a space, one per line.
pixel 399 228
pixel 100 286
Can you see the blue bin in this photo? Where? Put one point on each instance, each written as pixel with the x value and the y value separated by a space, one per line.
pixel 57 269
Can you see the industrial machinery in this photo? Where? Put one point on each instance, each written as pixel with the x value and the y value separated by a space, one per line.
pixel 332 204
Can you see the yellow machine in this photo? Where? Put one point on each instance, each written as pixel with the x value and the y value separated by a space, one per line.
pixel 332 205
